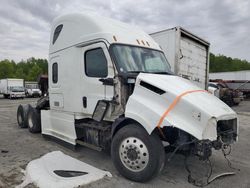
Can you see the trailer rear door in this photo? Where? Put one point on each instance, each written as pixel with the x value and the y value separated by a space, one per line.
pixel 193 61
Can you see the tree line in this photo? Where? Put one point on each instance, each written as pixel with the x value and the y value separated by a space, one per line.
pixel 30 69
pixel 221 63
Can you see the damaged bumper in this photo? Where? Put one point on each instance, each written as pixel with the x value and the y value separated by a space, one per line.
pixel 226 134
pixel 226 129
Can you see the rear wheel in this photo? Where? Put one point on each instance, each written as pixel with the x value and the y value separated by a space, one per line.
pixel 34 120
pixel 22 112
pixel 137 155
pixel 5 96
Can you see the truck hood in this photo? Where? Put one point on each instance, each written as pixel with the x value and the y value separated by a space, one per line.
pixel 175 86
pixel 180 104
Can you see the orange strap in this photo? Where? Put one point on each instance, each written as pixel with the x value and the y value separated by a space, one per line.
pixel 174 103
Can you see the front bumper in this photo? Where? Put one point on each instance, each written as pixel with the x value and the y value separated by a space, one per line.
pixel 227 133
pixel 17 95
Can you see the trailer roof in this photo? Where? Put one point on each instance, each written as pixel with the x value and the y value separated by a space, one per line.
pixel 186 33
pixel 77 29
pixel 12 79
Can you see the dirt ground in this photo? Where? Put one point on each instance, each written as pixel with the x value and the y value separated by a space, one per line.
pixel 18 147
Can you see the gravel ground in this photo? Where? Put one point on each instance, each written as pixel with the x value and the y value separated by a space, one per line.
pixel 18 147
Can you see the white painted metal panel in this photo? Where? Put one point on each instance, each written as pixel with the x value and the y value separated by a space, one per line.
pixel 68 86
pixel 79 28
pixel 8 82
pixel 236 75
pixel 56 101
pixel 59 124
pixel 184 114
pixel 193 61
pixel 15 82
pixel 41 172
pixel 3 86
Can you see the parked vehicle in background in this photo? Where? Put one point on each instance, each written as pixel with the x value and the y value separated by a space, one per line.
pixel 43 84
pixel 12 88
pixel 230 96
pixel 32 89
pixel 214 89
pixel 237 80
pixel 187 54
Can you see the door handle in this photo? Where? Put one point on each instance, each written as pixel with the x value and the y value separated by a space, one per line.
pixel 84 102
pixel 107 81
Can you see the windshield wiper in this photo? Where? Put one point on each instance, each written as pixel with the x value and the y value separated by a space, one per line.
pixel 163 72
pixel 168 73
pixel 137 71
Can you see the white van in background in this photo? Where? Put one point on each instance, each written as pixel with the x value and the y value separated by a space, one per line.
pixel 32 89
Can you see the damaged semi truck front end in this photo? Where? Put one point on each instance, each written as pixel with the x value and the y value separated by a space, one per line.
pixel 182 113
pixel 110 87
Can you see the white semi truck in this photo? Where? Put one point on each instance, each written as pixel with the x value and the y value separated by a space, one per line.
pixel 12 88
pixel 187 54
pixel 111 87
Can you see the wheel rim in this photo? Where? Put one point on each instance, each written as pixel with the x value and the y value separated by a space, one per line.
pixel 134 154
pixel 30 121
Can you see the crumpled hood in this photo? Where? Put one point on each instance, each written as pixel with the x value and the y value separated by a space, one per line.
pixel 183 105
pixel 176 86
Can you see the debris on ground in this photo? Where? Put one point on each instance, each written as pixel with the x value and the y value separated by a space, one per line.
pixel 55 169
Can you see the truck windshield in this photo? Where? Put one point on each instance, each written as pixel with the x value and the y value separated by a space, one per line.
pixel 17 89
pixel 31 86
pixel 138 59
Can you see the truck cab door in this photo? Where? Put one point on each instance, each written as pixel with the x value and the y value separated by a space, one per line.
pixel 98 74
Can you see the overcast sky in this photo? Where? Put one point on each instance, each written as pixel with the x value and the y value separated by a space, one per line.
pixel 25 24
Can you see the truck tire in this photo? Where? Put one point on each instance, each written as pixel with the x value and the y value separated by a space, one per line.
pixel 34 120
pixel 5 96
pixel 22 112
pixel 137 155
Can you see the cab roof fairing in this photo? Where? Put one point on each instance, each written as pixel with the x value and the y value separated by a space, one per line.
pixel 80 28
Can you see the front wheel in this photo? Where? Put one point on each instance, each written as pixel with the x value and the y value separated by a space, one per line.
pixel 137 155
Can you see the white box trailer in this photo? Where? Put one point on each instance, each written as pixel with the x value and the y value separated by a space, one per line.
pixel 187 54
pixel 111 87
pixel 232 75
pixel 12 87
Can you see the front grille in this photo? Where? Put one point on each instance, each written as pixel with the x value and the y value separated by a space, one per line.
pixel 227 130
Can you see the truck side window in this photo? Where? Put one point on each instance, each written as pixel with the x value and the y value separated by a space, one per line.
pixel 55 73
pixel 96 63
pixel 56 33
